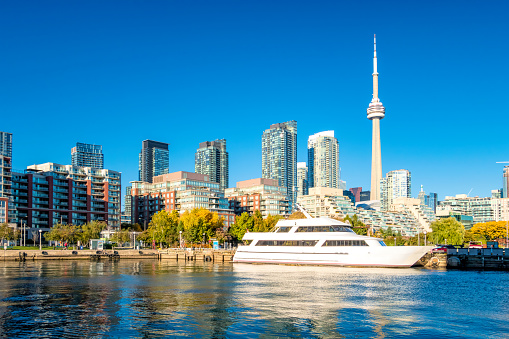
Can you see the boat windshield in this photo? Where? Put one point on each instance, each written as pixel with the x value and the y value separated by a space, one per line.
pixel 330 228
pixel 382 243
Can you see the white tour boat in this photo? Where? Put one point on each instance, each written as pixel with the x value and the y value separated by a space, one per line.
pixel 323 241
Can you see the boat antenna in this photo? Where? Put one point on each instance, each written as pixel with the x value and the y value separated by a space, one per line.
pixel 300 208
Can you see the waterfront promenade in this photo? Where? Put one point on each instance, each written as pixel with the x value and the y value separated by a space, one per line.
pixel 205 254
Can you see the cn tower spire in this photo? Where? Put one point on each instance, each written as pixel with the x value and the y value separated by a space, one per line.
pixel 376 112
pixel 375 73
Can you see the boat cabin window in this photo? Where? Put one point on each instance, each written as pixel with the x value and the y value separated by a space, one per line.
pixel 345 243
pixel 329 228
pixel 284 229
pixel 286 242
pixel 247 242
pixel 382 243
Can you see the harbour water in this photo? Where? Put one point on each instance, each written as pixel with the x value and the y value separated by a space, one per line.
pixel 156 299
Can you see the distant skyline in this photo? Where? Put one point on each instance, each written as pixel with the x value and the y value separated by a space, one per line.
pixel 117 73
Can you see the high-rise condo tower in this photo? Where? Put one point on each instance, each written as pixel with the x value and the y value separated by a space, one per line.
pixel 154 160
pixel 279 156
pixel 376 112
pixel 212 159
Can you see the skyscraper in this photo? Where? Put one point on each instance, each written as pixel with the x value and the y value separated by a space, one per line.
pixel 87 155
pixel 212 159
pixel 5 176
pixel 302 179
pixel 505 190
pixel 433 201
pixel 323 160
pixel 376 112
pixel 154 160
pixel 279 156
pixel 396 184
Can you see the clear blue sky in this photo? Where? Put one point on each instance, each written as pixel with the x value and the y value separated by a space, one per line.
pixel 183 72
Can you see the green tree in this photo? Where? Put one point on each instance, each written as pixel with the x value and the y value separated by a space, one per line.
pixel 447 229
pixel 163 227
pixel 198 222
pixel 67 233
pixel 243 223
pixel 357 226
pixel 91 230
pixel 297 215
pixel 271 221
pixel 121 237
pixel 259 225
pixel 6 232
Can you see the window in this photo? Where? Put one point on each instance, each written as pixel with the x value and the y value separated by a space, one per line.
pixel 323 229
pixel 284 229
pixel 345 243
pixel 286 242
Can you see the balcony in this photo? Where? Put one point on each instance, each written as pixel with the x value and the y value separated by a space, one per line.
pixel 40 188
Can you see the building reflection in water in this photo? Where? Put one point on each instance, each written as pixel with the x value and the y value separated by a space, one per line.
pixel 158 299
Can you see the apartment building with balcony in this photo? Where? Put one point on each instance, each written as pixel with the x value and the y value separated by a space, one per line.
pixel 332 202
pixel 51 193
pixel 181 191
pixel 6 208
pixel 260 194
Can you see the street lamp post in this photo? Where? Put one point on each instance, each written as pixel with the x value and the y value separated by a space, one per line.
pixel 204 238
pixel 40 240
pixel 180 239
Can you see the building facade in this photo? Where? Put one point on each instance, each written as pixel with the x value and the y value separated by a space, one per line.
pixel 396 184
pixel 260 194
pixel 365 195
pixel 505 177
pixel 480 209
pixel 302 179
pixel 330 202
pixel 323 160
pixel 212 159
pixel 154 160
pixel 356 191
pixel 50 193
pixel 279 156
pixel 181 191
pixel 128 211
pixel 87 155
pixel 6 208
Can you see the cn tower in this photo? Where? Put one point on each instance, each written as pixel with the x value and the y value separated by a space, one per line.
pixel 376 112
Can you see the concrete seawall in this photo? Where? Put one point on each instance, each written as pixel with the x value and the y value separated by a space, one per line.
pixel 470 258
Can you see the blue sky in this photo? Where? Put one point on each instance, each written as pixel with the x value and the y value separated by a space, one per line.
pixel 183 72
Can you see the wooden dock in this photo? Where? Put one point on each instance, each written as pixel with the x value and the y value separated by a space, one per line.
pixel 119 254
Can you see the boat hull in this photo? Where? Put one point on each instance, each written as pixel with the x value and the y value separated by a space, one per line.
pixel 383 256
